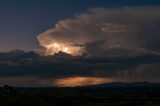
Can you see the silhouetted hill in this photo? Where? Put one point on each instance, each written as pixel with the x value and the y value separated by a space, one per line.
pixel 130 85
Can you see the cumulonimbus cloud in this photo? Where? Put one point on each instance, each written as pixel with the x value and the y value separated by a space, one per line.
pixel 107 32
pixel 127 39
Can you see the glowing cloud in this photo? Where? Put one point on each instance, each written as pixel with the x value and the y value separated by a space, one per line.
pixel 102 32
pixel 57 47
pixel 80 81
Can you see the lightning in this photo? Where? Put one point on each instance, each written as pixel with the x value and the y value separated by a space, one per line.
pixel 53 48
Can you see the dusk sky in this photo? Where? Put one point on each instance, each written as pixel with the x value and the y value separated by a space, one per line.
pixel 22 20
pixel 82 42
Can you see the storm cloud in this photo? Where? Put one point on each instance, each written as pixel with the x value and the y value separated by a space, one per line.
pixel 19 68
pixel 110 45
pixel 105 32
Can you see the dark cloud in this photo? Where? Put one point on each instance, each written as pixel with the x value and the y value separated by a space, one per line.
pixel 45 70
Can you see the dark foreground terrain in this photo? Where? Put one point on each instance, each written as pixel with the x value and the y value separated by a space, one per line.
pixel 110 95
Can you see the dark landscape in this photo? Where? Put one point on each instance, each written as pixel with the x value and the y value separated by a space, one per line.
pixel 113 94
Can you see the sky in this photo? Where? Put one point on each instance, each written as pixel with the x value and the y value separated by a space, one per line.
pixel 82 42
pixel 22 20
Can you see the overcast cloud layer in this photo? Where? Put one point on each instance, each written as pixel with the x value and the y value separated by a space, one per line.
pixel 19 68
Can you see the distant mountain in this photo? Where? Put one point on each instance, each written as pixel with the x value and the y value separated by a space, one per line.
pixel 126 85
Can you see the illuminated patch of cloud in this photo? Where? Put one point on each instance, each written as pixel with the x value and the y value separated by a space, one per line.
pixel 80 81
